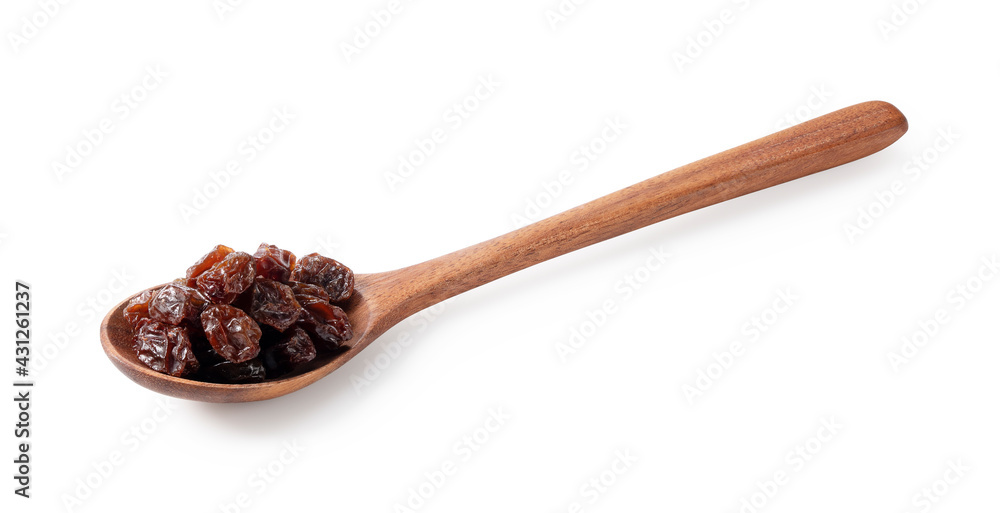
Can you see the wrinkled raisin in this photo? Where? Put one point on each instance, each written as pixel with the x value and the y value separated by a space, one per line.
pixel 274 304
pixel 231 332
pixel 250 371
pixel 165 348
pixel 327 324
pixel 225 280
pixel 328 273
pixel 174 304
pixel 308 289
pixel 273 263
pixel 211 258
pixel 294 348
pixel 137 311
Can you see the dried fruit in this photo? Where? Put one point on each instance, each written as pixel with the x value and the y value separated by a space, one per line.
pixel 225 280
pixel 137 311
pixel 237 318
pixel 273 263
pixel 231 332
pixel 165 349
pixel 274 304
pixel 294 348
pixel 328 324
pixel 308 289
pixel 328 273
pixel 174 304
pixel 211 258
pixel 250 371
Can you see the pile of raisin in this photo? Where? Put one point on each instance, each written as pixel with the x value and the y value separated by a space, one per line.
pixel 241 318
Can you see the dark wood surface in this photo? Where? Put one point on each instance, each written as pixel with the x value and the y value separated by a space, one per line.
pixel 384 299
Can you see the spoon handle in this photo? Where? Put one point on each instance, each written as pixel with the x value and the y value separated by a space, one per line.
pixel 822 143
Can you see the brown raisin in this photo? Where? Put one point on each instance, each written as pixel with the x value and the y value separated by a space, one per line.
pixel 294 348
pixel 308 289
pixel 273 263
pixel 274 304
pixel 250 371
pixel 174 304
pixel 328 273
pixel 231 332
pixel 165 348
pixel 137 311
pixel 225 280
pixel 327 324
pixel 306 299
pixel 211 258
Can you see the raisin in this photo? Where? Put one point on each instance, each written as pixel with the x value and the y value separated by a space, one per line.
pixel 328 273
pixel 274 304
pixel 165 348
pixel 231 332
pixel 224 281
pixel 306 299
pixel 327 324
pixel 273 263
pixel 137 311
pixel 308 289
pixel 213 257
pixel 294 348
pixel 174 304
pixel 250 371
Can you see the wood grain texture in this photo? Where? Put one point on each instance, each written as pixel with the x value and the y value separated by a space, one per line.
pixel 829 141
pixel 384 299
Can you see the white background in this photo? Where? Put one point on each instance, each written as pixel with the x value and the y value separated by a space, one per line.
pixel 86 238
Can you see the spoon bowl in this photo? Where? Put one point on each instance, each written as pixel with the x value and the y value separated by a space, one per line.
pixel 116 339
pixel 382 300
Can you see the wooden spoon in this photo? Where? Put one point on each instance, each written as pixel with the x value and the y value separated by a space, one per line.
pixel 382 300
